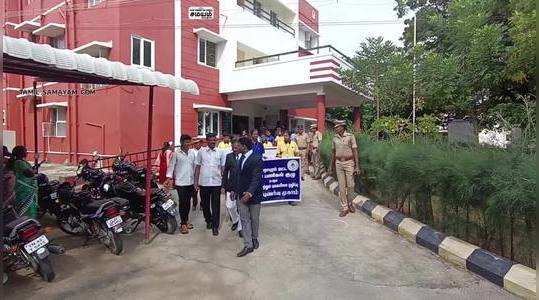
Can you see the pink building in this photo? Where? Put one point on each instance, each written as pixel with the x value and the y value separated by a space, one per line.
pixel 257 63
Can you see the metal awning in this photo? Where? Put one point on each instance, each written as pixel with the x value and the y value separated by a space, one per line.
pixel 27 26
pixel 52 105
pixel 209 35
pixel 211 107
pixel 23 57
pixel 51 30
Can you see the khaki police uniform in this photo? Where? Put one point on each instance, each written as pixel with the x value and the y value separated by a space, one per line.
pixel 316 140
pixel 303 141
pixel 345 146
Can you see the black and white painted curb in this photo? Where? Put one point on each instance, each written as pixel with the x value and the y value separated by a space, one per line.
pixel 516 278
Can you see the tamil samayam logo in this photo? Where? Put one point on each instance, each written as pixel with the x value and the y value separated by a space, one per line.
pixel 292 165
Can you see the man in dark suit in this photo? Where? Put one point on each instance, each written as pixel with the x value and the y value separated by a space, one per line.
pixel 231 161
pixel 247 188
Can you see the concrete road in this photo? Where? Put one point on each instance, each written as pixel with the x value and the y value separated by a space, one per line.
pixel 306 252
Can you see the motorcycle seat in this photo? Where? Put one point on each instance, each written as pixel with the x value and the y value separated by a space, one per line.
pixel 93 206
pixel 10 225
pixel 120 201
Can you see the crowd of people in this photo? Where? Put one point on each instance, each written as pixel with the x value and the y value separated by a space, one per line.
pixel 233 167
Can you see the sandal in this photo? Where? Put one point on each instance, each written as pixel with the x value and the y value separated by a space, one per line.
pixel 351 208
pixel 343 213
pixel 184 230
pixel 190 226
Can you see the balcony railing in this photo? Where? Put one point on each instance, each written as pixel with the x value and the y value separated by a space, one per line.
pixel 295 54
pixel 271 17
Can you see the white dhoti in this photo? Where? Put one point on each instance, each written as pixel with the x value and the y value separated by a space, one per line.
pixel 232 209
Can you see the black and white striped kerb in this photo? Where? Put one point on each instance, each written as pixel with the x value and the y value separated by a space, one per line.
pixel 429 238
pixel 516 278
pixel 368 207
pixel 488 265
pixel 393 219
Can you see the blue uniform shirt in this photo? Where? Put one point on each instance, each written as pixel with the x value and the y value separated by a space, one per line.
pixel 258 148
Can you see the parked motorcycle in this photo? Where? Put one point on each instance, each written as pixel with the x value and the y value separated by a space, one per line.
pixel 123 185
pixel 24 245
pixel 62 209
pixel 84 215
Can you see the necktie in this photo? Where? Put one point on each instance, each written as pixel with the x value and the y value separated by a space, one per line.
pixel 241 162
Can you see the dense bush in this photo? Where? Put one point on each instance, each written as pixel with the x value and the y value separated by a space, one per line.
pixel 483 195
pixel 400 128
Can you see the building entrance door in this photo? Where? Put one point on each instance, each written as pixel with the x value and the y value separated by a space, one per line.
pixel 258 123
pixel 239 124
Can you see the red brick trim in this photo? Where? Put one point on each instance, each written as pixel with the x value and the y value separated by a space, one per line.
pixel 325 76
pixel 325 61
pixel 325 69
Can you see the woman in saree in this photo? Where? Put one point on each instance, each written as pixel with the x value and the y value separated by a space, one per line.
pixel 26 190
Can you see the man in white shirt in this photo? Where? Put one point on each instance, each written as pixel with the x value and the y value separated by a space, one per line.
pixel 208 181
pixel 182 168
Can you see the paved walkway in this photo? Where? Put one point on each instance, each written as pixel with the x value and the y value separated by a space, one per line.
pixel 306 252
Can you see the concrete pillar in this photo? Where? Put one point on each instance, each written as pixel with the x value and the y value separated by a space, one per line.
pixel 356 118
pixel 321 112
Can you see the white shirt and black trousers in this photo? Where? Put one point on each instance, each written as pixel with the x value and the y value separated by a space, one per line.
pixel 210 162
pixel 182 168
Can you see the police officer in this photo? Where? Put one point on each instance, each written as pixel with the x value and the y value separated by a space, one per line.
pixel 315 140
pixel 346 163
pixel 303 141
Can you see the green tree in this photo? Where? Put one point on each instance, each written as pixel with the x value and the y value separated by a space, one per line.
pixel 373 59
pixel 383 72
pixel 473 55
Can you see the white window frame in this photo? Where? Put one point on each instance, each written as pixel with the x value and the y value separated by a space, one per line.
pixel 141 58
pixel 55 123
pixel 206 53
pixel 54 41
pixel 204 125
pixel 94 2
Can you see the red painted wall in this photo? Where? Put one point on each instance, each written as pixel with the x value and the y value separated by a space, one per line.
pixel 310 112
pixel 153 20
pixel 308 14
pixel 122 111
pixel 206 77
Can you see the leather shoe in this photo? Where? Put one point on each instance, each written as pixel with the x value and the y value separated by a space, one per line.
pixel 256 244
pixel 208 225
pixel 244 252
pixel 215 231
pixel 240 234
pixel 234 226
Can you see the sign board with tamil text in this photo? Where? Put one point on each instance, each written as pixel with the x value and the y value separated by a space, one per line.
pixel 281 180
pixel 201 13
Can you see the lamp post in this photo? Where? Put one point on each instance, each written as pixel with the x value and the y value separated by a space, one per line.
pixel 413 83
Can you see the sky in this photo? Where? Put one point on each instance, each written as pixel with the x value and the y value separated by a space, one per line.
pixel 344 24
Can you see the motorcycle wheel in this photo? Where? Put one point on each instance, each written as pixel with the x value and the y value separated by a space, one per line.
pixel 166 224
pixel 44 269
pixel 112 241
pixel 66 227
